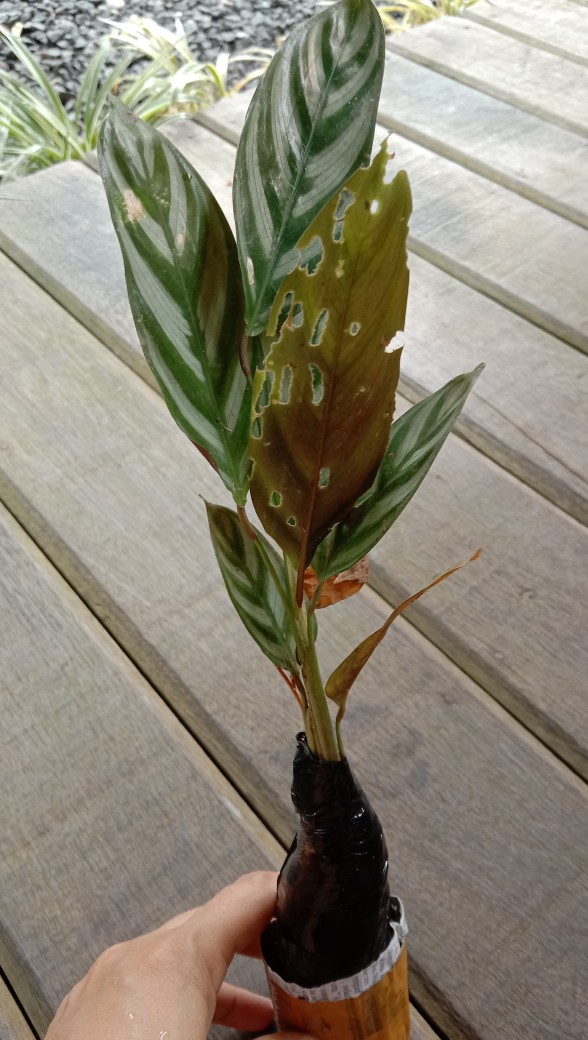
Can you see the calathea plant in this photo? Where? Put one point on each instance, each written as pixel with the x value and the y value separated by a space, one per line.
pixel 275 354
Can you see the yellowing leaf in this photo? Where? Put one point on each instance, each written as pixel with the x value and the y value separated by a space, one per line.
pixel 324 401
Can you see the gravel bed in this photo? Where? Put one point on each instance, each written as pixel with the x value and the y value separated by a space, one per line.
pixel 63 34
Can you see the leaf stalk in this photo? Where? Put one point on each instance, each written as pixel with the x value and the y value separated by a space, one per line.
pixel 317 720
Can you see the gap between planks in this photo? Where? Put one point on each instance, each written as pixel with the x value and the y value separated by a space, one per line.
pixel 484 59
pixel 517 150
pixel 536 22
pixel 13 1023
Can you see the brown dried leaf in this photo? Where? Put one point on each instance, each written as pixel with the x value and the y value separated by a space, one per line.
pixel 346 673
pixel 343 585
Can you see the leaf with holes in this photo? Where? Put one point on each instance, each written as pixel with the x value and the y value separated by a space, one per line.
pixel 251 587
pixel 184 286
pixel 415 440
pixel 309 126
pixel 325 398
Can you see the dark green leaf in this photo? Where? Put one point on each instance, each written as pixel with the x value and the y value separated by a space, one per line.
pixel 323 427
pixel 310 125
pixel 250 586
pixel 184 288
pixel 415 440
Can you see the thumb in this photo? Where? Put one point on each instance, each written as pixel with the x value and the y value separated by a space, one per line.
pixel 233 920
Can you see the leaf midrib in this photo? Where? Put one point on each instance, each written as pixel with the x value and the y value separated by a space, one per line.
pixel 276 627
pixel 293 196
pixel 195 324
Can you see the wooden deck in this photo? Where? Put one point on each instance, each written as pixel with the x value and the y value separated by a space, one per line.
pixel 146 744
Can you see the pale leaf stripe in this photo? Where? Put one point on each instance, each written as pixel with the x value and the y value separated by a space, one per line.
pixel 294 136
pixel 195 422
pixel 250 586
pixel 184 288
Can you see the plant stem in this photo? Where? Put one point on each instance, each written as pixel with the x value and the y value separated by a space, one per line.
pixel 338 722
pixel 318 722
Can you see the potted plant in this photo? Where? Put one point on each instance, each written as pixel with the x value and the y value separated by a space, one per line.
pixel 276 356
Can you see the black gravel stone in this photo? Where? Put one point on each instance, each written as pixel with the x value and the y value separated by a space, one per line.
pixel 54 32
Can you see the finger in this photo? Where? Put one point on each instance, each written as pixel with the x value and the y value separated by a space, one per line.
pixel 253 949
pixel 233 920
pixel 240 1009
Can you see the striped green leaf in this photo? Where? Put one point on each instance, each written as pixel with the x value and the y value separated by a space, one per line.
pixel 309 126
pixel 415 440
pixel 184 288
pixel 250 586
pixel 325 399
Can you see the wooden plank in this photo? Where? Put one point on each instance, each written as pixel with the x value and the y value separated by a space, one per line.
pixel 520 151
pixel 13 1025
pixel 524 76
pixel 464 224
pixel 527 421
pixel 95 470
pixel 560 28
pixel 515 414
pixel 117 818
pixel 59 261
pixel 491 621
pixel 419 1029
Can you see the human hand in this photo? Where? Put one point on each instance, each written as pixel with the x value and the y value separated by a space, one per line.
pixel 169 984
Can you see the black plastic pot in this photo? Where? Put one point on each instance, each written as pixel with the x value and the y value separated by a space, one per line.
pixel 334 914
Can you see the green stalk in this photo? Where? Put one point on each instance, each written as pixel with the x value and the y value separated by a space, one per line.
pixel 321 726
pixel 338 722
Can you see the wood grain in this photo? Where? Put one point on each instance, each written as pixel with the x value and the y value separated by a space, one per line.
pixel 487 831
pixel 520 151
pixel 529 422
pixel 524 76
pixel 560 28
pixel 515 148
pixel 515 414
pixel 13 1025
pixel 464 224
